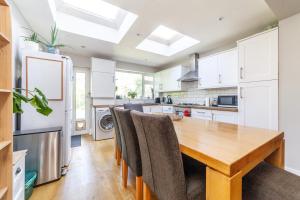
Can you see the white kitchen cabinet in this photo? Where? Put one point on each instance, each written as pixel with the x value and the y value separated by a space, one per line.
pixel 219 70
pixel 258 57
pixel 102 78
pixel 102 65
pixel 201 114
pixel 167 109
pixel 102 85
pixel 224 116
pixel 147 109
pixel 258 104
pixel 208 72
pixel 228 68
pixel 166 80
pixel 19 175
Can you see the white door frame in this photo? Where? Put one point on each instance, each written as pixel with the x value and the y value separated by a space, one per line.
pixel 87 100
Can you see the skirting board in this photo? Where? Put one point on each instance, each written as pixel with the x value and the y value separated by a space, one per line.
pixel 294 171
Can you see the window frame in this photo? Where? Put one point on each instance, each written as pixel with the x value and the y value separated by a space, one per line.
pixel 143 81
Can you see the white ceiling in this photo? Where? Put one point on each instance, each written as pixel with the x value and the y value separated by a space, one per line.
pixel 195 18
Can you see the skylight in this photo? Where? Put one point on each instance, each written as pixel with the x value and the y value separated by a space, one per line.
pixel 165 33
pixel 95 7
pixel 92 18
pixel 166 41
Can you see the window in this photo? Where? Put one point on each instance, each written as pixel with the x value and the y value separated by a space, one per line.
pixel 80 95
pixel 134 85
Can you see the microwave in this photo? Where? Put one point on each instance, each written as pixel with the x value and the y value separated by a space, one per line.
pixel 228 101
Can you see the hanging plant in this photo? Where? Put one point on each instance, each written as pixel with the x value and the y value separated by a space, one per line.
pixel 37 100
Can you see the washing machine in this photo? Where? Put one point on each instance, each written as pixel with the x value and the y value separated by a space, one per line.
pixel 103 124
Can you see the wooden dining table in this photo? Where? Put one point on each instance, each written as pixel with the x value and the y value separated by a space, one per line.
pixel 229 151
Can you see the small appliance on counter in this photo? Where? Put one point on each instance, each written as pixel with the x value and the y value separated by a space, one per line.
pixel 228 101
pixel 169 100
pixel 157 100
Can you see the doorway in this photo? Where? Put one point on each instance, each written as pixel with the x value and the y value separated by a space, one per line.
pixel 82 101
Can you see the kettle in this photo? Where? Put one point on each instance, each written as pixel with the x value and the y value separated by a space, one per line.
pixel 169 100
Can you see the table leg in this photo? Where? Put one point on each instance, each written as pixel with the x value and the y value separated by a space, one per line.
pixel 220 186
pixel 277 157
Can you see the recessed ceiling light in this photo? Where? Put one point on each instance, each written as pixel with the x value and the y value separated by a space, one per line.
pixel 220 18
pixel 165 33
pixel 95 7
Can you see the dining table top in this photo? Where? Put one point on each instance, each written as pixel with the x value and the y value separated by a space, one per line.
pixel 227 148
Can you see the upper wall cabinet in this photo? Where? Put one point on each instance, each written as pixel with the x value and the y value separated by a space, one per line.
pixel 104 66
pixel 166 80
pixel 258 57
pixel 218 70
pixel 102 78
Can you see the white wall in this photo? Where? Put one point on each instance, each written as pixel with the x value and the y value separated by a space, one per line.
pixel 289 89
pixel 18 24
pixel 83 61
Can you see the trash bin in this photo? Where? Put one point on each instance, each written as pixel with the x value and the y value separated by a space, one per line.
pixel 30 179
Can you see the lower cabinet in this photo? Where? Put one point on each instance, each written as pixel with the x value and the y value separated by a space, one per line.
pixel 220 116
pixel 167 109
pixel 153 109
pixel 258 104
pixel 226 117
pixel 19 179
pixel 201 114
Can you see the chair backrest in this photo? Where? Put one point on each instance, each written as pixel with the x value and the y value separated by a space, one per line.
pixel 136 106
pixel 162 163
pixel 116 126
pixel 130 145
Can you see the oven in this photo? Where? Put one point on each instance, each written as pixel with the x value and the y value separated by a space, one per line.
pixel 228 101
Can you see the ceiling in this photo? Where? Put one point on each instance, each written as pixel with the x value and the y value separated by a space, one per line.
pixel 198 19
pixel 284 8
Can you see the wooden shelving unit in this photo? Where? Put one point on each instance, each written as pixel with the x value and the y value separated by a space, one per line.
pixel 5 103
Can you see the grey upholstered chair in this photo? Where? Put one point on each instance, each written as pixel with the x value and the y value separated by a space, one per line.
pixel 136 106
pixel 266 182
pixel 162 164
pixel 131 156
pixel 118 145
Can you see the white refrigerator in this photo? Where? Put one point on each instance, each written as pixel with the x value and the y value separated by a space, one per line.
pixel 53 75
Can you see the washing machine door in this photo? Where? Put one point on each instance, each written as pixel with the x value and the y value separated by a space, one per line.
pixel 105 122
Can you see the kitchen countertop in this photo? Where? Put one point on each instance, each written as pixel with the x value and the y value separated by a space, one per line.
pixel 35 131
pixel 17 155
pixel 208 108
pixel 228 109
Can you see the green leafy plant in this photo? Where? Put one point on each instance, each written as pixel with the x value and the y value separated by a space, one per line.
pixel 33 37
pixel 53 43
pixel 37 100
pixel 132 94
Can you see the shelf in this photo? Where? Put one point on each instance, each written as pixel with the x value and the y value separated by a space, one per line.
pixel 3 3
pixel 5 91
pixel 3 145
pixel 3 40
pixel 3 192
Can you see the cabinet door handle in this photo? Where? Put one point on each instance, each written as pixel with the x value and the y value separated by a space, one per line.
pixel 241 94
pixel 241 73
pixel 220 78
pixel 18 171
pixel 199 81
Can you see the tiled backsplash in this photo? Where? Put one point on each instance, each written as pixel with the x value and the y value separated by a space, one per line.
pixel 191 94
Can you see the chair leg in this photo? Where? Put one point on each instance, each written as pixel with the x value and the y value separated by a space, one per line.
pixel 147 192
pixel 118 156
pixel 116 149
pixel 124 173
pixel 139 188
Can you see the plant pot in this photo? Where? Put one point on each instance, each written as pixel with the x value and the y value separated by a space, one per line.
pixel 52 50
pixel 30 45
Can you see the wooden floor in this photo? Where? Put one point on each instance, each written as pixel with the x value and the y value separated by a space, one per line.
pixel 93 174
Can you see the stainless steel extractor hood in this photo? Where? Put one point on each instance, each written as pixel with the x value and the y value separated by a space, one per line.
pixel 193 74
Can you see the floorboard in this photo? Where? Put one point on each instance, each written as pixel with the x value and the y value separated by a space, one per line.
pixel 93 174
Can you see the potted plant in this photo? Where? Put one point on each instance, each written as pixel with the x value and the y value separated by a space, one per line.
pixel 132 94
pixel 37 100
pixel 31 42
pixel 52 45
